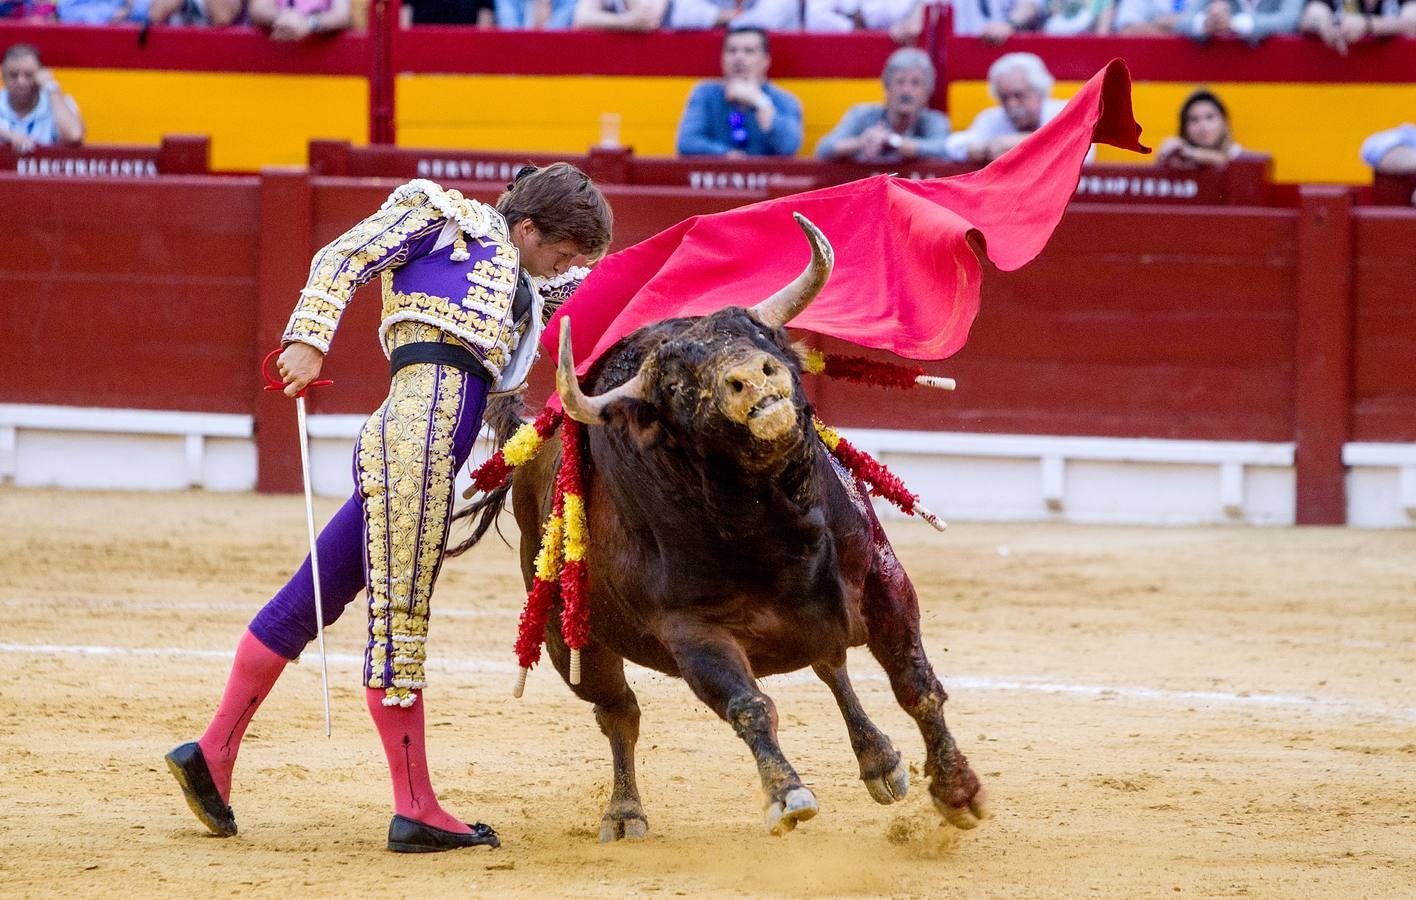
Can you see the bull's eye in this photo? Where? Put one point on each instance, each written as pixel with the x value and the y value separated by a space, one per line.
pixel 769 369
pixel 735 384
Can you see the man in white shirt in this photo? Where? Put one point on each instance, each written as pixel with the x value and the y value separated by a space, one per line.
pixel 34 112
pixel 1023 88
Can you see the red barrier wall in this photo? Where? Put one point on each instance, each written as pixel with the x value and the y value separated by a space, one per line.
pixel 1217 323
pixel 176 155
pixel 1384 325
pixel 129 293
pixel 1246 181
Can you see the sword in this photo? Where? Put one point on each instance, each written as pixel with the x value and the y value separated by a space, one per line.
pixel 275 384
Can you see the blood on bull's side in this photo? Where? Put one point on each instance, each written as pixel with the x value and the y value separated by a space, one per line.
pixel 727 544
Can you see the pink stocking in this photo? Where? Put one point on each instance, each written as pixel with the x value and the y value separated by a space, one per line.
pixel 253 674
pixel 401 730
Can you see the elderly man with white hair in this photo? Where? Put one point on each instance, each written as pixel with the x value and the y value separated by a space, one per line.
pixel 1023 88
pixel 903 127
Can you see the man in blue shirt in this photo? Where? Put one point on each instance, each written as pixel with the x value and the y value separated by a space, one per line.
pixel 741 115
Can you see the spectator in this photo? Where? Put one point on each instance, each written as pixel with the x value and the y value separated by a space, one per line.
pixel 1148 16
pixel 101 12
pixel 906 30
pixel 34 112
pixel 620 15
pixel 481 13
pixel 904 127
pixel 1339 26
pixel 1204 139
pixel 995 20
pixel 741 115
pixel 543 15
pixel 1252 20
pixel 1072 17
pixel 216 13
pixel 1392 152
pixel 734 15
pixel 1023 88
pixel 295 20
pixel 902 18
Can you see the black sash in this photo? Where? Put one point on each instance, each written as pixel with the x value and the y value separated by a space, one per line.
pixel 455 355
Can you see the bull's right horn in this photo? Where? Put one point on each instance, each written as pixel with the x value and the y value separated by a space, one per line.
pixel 583 409
pixel 785 305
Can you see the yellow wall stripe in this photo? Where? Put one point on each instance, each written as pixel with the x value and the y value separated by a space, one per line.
pixel 253 120
pixel 562 113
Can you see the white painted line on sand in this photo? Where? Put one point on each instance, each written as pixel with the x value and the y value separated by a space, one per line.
pixel 1291 702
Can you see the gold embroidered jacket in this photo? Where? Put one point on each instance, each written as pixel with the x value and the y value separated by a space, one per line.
pixel 445 260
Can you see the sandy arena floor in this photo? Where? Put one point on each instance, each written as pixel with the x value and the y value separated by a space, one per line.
pixel 1192 712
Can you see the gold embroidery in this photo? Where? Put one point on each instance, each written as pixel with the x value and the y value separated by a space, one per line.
pixel 378 242
pixel 406 476
pixel 486 331
pixel 411 332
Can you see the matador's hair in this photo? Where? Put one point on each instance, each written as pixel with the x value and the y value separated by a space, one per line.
pixel 563 203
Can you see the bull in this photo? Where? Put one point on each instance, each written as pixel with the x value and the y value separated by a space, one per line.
pixel 727 544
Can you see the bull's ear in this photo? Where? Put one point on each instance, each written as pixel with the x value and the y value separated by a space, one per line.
pixel 639 421
pixel 807 358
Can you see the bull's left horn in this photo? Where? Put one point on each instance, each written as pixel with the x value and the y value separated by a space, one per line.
pixel 785 305
pixel 583 409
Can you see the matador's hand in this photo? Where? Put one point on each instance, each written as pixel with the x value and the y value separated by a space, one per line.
pixel 298 365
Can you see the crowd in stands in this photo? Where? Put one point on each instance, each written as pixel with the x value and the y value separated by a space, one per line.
pixel 745 115
pixel 286 20
pixel 1337 23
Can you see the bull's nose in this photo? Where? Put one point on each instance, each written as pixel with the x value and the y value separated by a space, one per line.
pixel 761 376
pixel 757 392
pixel 756 376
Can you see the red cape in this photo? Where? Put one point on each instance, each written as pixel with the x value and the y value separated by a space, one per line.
pixel 905 279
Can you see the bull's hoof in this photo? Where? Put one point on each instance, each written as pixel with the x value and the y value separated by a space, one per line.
pixel 890 787
pixel 783 815
pixel 968 816
pixel 625 825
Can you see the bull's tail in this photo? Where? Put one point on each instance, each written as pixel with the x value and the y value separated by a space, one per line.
pixel 504 414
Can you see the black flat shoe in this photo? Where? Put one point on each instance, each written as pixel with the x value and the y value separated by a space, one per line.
pixel 407 835
pixel 189 767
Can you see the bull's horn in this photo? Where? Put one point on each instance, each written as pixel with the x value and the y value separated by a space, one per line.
pixel 583 409
pixel 786 304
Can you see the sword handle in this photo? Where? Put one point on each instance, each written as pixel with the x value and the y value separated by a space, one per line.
pixel 273 383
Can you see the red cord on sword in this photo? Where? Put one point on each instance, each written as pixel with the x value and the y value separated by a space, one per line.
pixel 275 384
